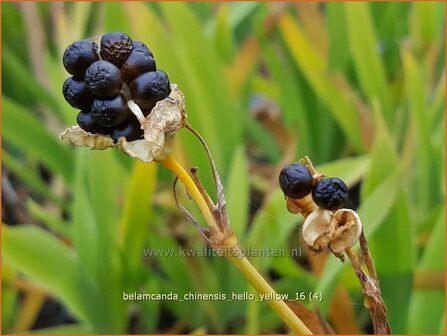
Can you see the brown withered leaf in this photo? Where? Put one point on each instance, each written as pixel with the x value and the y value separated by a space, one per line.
pixel 312 319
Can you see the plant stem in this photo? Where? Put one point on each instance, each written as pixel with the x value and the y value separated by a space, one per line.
pixel 235 254
pixel 173 165
pixel 263 288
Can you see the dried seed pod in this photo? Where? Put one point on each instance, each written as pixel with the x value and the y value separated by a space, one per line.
pixel 347 230
pixel 167 117
pixel 303 206
pixel 318 229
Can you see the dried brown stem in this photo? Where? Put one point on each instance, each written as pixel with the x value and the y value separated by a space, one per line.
pixel 373 298
pixel 369 262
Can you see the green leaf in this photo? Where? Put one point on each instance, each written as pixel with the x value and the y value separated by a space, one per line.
pixel 237 192
pixel 416 92
pixel 30 177
pixel 314 68
pixel 25 131
pixel 427 306
pixel 50 220
pixel 136 213
pixel 350 170
pixel 66 329
pixel 223 38
pixel 55 268
pixel 426 23
pixel 339 55
pixel 364 49
pixel 23 88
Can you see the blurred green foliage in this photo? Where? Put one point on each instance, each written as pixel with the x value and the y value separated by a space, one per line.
pixel 358 87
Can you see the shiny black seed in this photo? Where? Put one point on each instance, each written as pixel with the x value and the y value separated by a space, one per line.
pixel 140 46
pixel 104 79
pixel 86 122
pixel 131 130
pixel 295 181
pixel 115 47
pixel 77 94
pixel 110 112
pixel 79 56
pixel 138 62
pixel 147 89
pixel 330 193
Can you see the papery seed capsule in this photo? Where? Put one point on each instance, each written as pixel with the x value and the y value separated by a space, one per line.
pixel 77 94
pixel 116 47
pixel 110 112
pixel 330 193
pixel 104 79
pixel 295 181
pixel 79 56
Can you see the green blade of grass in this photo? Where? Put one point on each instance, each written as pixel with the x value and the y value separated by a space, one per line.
pixel 30 178
pixel 339 56
pixel 24 89
pixel 416 92
pixel 50 220
pixel 25 131
pixel 136 213
pixel 237 192
pixel 364 49
pixel 392 245
pixel 427 306
pixel 66 329
pixel 314 68
pixel 55 269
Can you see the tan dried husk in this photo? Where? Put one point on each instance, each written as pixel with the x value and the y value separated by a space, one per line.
pixel 338 231
pixel 159 127
pixel 347 230
pixel 318 229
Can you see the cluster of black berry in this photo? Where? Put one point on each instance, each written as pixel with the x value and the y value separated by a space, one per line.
pixel 105 78
pixel 296 182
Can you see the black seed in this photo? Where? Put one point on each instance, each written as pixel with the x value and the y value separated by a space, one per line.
pixel 86 122
pixel 147 89
pixel 104 79
pixel 111 112
pixel 131 130
pixel 138 45
pixel 330 193
pixel 138 62
pixel 295 181
pixel 77 94
pixel 115 47
pixel 79 56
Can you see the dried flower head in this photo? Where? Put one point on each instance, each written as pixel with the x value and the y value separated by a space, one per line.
pixel 318 229
pixel 337 230
pixel 347 230
pixel 159 127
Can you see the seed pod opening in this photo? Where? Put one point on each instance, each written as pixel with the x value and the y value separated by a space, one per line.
pixel 159 127
pixel 318 229
pixel 347 230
